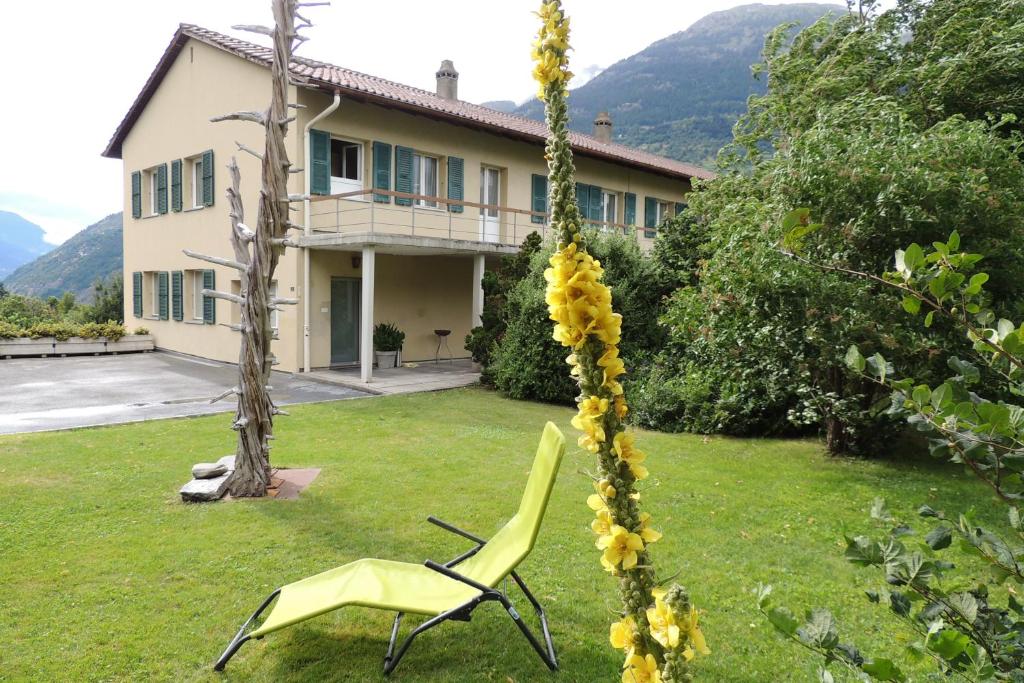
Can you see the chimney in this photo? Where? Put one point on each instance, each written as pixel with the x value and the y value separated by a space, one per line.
pixel 602 126
pixel 447 81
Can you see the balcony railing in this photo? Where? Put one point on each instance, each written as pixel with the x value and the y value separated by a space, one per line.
pixel 428 216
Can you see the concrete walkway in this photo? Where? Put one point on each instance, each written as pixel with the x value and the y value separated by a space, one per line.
pixel 412 377
pixel 40 394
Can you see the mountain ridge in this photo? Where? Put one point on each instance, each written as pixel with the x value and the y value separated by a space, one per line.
pixel 21 241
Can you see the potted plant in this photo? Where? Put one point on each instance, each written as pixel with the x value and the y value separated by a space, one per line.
pixel 387 342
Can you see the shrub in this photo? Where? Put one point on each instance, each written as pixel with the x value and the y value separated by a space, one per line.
pixel 25 311
pixel 528 363
pixel 140 330
pixel 10 331
pixel 59 330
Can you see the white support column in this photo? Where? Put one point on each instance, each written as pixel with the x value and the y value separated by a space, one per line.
pixel 366 317
pixel 478 290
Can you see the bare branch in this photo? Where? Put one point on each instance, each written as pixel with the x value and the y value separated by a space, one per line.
pixel 250 150
pixel 283 242
pixel 214 259
pixel 232 391
pixel 313 4
pixel 233 326
pixel 254 28
pixel 288 225
pixel 296 170
pixel 234 298
pixel 253 116
pixel 240 423
pixel 296 106
pixel 295 198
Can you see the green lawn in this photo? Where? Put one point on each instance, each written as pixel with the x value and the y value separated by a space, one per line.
pixel 105 575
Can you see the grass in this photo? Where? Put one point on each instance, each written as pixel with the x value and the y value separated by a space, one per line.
pixel 106 576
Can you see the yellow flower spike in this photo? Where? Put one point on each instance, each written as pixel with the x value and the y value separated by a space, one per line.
pixel 622 634
pixel 621 409
pixel 620 547
pixel 663 624
pixel 602 523
pixel 622 445
pixel 693 632
pixel 641 670
pixel 605 489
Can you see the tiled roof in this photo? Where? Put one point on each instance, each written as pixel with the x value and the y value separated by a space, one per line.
pixel 374 89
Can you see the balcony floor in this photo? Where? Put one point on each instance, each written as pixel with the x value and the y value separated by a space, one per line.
pixel 411 378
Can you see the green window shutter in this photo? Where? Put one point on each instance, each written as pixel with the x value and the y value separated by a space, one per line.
pixel 208 178
pixel 137 294
pixel 161 188
pixel 381 170
pixel 650 216
pixel 630 209
pixel 137 194
pixel 319 162
pixel 680 207
pixel 209 303
pixel 538 196
pixel 176 295
pixel 176 185
pixel 456 173
pixel 403 173
pixel 162 293
pixel 595 203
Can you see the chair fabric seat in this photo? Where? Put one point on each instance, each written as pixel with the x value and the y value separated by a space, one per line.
pixel 383 584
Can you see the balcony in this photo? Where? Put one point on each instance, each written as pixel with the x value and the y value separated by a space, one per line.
pixel 424 223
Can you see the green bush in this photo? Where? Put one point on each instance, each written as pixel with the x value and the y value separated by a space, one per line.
pixel 10 331
pixel 529 364
pixel 25 311
pixel 59 330
pixel 387 337
pixel 62 330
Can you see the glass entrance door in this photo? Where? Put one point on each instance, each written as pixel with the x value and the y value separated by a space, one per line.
pixel 345 303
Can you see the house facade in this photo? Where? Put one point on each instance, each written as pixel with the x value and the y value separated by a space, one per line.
pixel 412 195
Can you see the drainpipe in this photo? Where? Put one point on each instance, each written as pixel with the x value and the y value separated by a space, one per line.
pixel 306 306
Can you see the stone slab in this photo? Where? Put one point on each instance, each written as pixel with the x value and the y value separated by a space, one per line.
pixel 205 490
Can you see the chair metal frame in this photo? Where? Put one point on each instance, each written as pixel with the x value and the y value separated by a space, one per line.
pixel 463 612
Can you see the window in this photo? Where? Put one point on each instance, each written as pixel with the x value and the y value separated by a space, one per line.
pixel 609 208
pixel 154 192
pixel 194 293
pixel 663 209
pixel 153 287
pixel 273 312
pixel 424 178
pixel 345 160
pixel 196 180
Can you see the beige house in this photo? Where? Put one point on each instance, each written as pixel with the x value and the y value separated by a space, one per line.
pixel 413 194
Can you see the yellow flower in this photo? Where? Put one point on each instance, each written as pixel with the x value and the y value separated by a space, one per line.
pixel 602 523
pixel 623 634
pixel 621 409
pixel 620 547
pixel 663 624
pixel 605 489
pixel 641 670
pixel 622 445
pixel 694 635
pixel 590 421
pixel 648 534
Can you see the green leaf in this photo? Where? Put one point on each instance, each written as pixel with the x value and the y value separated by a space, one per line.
pixel 929 318
pixel 940 537
pixel 763 592
pixel 819 630
pixel 879 510
pixel 913 257
pixel 911 304
pixel 976 283
pixel 942 396
pixel 854 360
pixel 922 394
pixel 966 604
pixel 783 620
pixel 1004 327
pixel 953 243
pixel 882 669
pixel 899 603
pixel 795 218
pixel 949 644
pixel 863 551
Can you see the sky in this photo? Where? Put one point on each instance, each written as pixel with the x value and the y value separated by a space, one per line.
pixel 72 68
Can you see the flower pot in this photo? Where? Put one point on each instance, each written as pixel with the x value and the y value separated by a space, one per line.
pixel 386 359
pixel 10 348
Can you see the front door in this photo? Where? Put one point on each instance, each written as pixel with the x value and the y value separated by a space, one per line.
pixel 490 223
pixel 345 303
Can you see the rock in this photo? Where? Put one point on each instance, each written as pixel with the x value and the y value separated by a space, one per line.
pixel 228 461
pixel 208 470
pixel 201 490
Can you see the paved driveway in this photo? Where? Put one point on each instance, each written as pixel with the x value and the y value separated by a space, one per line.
pixel 38 394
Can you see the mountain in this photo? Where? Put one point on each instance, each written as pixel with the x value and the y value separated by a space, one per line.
pixel 681 95
pixel 507 106
pixel 20 242
pixel 92 254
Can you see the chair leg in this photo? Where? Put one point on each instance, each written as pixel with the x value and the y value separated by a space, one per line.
pixel 241 637
pixel 391 661
pixel 550 657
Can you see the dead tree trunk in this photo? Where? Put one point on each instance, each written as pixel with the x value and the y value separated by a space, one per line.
pixel 256 256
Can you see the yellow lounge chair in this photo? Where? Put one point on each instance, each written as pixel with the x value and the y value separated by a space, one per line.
pixel 431 589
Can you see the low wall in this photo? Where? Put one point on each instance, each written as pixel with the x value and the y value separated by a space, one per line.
pixel 48 346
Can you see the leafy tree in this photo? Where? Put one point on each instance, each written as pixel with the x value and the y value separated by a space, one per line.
pixel 3 291
pixel 861 126
pixel 962 626
pixel 109 300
